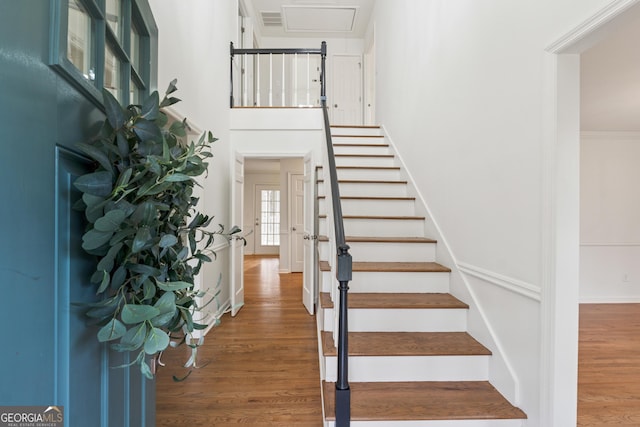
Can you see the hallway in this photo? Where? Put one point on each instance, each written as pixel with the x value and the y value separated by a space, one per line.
pixel 263 364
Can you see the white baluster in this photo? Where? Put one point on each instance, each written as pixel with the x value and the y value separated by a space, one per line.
pixel 271 80
pixel 257 79
pixel 308 81
pixel 295 79
pixel 245 99
pixel 283 82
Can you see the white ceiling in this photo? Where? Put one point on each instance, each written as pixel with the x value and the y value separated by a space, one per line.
pixel 610 80
pixel 311 18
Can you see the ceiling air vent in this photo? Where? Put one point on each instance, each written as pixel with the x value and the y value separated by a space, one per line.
pixel 271 19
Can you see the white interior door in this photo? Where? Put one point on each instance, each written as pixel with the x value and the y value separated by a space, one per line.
pixel 309 291
pixel 237 245
pixel 267 220
pixel 296 221
pixel 346 102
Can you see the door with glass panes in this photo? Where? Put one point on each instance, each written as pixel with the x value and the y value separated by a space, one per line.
pixel 267 220
pixel 61 54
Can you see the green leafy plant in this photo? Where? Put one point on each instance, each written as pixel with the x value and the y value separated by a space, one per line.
pixel 143 228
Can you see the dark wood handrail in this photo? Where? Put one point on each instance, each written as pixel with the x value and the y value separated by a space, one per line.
pixel 344 268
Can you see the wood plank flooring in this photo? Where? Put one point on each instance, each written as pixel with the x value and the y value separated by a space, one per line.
pixel 609 365
pixel 263 368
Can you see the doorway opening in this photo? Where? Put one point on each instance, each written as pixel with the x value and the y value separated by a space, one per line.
pixel 272 217
pixel 563 212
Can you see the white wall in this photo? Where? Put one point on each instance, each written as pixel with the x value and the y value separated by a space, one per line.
pixel 610 217
pixel 462 88
pixel 288 134
pixel 193 47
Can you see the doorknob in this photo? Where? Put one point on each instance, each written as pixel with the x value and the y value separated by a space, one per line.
pixel 293 229
pixel 335 105
pixel 306 237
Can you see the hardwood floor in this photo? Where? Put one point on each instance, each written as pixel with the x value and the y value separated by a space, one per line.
pixel 609 365
pixel 263 368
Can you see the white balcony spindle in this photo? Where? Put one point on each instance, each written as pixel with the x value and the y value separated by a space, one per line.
pixel 295 79
pixel 283 102
pixel 245 97
pixel 309 81
pixel 271 80
pixel 257 78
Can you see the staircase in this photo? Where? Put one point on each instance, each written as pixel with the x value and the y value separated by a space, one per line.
pixel 411 361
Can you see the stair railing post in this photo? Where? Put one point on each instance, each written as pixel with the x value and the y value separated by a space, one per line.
pixel 231 51
pixel 323 61
pixel 343 391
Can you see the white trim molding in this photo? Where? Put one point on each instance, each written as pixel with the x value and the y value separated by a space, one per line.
pixel 610 244
pixel 611 300
pixel 611 135
pixel 514 285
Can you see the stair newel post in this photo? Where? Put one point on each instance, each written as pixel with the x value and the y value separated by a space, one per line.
pixel 231 51
pixel 323 61
pixel 343 392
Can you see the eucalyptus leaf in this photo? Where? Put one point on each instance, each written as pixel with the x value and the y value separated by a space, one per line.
pixel 96 183
pixel 146 370
pixel 167 240
pixel 148 289
pixel 157 340
pixel 94 239
pixel 142 239
pixel 174 286
pixel 106 279
pixel 147 130
pixel 111 331
pixel 135 313
pixel 96 154
pixel 115 113
pixel 177 177
pixel 150 107
pixel 110 222
pixel 134 338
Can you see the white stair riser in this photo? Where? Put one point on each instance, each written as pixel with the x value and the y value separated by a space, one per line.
pixel 433 423
pixel 379 227
pixel 369 189
pixel 403 320
pixel 367 206
pixel 355 131
pixel 411 368
pixel 385 282
pixel 385 251
pixel 365 161
pixel 360 149
pixel 365 174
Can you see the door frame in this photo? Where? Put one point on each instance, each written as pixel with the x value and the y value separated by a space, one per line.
pixel 561 214
pixel 274 155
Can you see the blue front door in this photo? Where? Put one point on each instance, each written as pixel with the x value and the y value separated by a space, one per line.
pixel 49 353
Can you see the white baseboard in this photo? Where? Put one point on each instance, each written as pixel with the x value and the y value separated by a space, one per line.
pixel 611 300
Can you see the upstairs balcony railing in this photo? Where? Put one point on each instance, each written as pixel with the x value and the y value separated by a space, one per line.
pixel 293 83
pixel 276 77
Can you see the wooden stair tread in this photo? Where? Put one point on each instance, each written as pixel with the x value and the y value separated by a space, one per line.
pixel 365 239
pixel 393 267
pixel 407 344
pixel 364 181
pixel 389 300
pixel 366 167
pixel 356 126
pixel 341 144
pixel 364 155
pixel 432 400
pixel 381 198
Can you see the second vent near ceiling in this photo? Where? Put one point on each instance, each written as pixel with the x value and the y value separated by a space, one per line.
pixel 271 19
